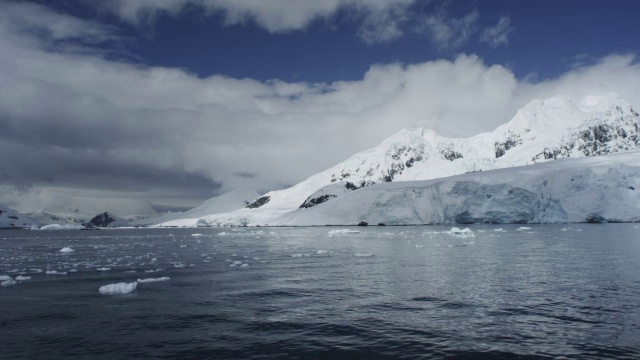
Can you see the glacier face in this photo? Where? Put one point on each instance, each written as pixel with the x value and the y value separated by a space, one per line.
pixel 603 189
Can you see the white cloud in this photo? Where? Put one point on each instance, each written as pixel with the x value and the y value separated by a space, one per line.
pixel 449 32
pixel 41 22
pixel 498 34
pixel 77 120
pixel 380 18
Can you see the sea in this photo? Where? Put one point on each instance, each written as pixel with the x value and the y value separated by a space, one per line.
pixel 569 291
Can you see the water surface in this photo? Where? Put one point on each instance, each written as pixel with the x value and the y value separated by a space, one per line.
pixel 550 291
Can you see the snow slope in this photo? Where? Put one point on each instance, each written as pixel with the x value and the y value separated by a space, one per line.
pixel 594 189
pixel 10 219
pixel 543 130
pixel 229 201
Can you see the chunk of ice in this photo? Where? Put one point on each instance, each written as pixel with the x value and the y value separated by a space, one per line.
pixel 119 288
pixel 55 272
pixel 8 283
pixel 23 278
pixel 463 233
pixel 152 280
pixel 66 250
pixel 343 231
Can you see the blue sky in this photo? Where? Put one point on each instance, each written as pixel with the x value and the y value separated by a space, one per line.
pixel 169 102
pixel 544 38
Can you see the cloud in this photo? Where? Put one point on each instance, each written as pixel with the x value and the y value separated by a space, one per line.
pixel 41 22
pixel 449 32
pixel 76 121
pixel 498 34
pixel 380 18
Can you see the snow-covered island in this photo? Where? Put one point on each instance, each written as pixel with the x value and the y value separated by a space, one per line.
pixel 387 184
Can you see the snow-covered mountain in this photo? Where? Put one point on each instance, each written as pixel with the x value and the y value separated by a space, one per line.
pixel 544 130
pixel 11 219
pixel 229 201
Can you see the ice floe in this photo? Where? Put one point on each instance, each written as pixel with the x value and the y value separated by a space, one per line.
pixel 23 278
pixel 62 227
pixel 119 288
pixel 55 272
pixel 152 280
pixel 9 282
pixel 66 250
pixel 343 231
pixel 462 233
pixel 5 277
pixel 362 255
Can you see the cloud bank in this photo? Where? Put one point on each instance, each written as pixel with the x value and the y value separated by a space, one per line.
pixel 77 120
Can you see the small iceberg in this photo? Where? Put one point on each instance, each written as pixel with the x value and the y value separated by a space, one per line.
pixel 103 269
pixel 197 235
pixel 5 277
pixel 523 228
pixel 152 280
pixel 362 255
pixel 7 283
pixel 462 233
pixel 66 250
pixel 119 288
pixel 62 227
pixel 23 278
pixel 55 272
pixel 343 231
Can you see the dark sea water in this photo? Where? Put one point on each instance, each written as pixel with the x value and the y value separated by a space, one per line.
pixel 552 291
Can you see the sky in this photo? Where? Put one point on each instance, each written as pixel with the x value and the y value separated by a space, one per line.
pixel 161 104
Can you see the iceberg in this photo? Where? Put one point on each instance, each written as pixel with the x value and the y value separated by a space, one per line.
pixel 119 288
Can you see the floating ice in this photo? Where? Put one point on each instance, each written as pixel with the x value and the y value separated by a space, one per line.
pixel 23 278
pixel 62 227
pixel 343 231
pixel 73 270
pixel 66 250
pixel 8 283
pixel 223 233
pixel 418 246
pixel 236 263
pixel 103 269
pixel 119 288
pixel 523 228
pixel 152 280
pixel 5 277
pixel 300 255
pixel 55 272
pixel 197 235
pixel 319 252
pixel 463 233
pixel 151 271
pixel 244 265
pixel 499 230
pixel 362 255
